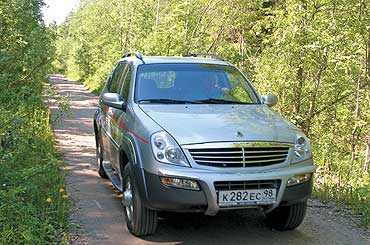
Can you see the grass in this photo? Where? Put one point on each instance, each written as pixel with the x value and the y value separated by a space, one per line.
pixel 34 205
pixel 353 192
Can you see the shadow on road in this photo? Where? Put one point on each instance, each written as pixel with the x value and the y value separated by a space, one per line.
pixel 232 227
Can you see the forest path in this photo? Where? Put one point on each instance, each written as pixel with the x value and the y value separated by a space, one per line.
pixel 97 210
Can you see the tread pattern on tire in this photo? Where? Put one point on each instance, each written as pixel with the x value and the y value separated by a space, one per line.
pixel 148 222
pixel 287 217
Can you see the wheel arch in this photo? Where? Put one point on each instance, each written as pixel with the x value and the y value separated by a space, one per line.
pixel 130 154
pixel 123 159
pixel 97 127
pixel 96 131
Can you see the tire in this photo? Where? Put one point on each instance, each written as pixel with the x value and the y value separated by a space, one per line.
pixel 286 218
pixel 99 158
pixel 140 220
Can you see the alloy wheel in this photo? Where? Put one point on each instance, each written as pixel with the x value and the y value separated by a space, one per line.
pixel 127 200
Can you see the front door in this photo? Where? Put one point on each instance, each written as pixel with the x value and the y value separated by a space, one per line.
pixel 119 124
pixel 109 145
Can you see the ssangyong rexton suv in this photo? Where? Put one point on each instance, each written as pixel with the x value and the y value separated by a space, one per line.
pixel 191 134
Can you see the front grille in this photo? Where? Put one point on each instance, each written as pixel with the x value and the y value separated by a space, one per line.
pixel 247 185
pixel 240 157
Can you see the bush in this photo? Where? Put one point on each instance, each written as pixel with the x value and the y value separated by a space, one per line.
pixel 33 202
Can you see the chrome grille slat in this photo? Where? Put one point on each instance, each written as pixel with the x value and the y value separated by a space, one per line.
pixel 265 156
pixel 218 157
pixel 275 151
pixel 220 161
pixel 217 152
pixel 240 156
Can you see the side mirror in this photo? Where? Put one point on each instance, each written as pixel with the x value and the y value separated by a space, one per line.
pixel 114 100
pixel 269 100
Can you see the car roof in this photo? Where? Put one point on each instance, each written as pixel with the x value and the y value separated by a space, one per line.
pixel 174 59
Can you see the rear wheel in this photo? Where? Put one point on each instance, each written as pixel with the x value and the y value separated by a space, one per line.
pixel 286 218
pixel 99 158
pixel 140 220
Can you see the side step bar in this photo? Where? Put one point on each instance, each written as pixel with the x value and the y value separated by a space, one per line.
pixel 113 176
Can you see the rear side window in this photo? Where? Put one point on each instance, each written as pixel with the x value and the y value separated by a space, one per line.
pixel 116 80
pixel 126 82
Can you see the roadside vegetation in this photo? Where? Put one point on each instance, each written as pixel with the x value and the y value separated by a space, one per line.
pixel 33 201
pixel 314 55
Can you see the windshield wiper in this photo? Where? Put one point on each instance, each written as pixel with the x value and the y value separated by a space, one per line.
pixel 203 101
pixel 165 101
pixel 218 101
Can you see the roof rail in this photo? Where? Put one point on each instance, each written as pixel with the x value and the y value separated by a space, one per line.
pixel 136 54
pixel 205 55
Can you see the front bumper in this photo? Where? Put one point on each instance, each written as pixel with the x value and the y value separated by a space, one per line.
pixel 173 199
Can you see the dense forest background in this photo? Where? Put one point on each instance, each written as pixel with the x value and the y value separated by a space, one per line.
pixel 313 54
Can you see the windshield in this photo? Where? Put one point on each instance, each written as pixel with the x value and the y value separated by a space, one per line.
pixel 192 83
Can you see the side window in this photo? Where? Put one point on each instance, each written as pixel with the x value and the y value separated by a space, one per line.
pixel 126 82
pixel 116 81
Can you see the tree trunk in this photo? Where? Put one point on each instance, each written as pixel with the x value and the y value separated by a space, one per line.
pixel 242 48
pixel 367 60
pixel 367 75
pixel 367 160
pixel 157 14
pixel 298 91
pixel 354 136
pixel 219 33
pixel 313 99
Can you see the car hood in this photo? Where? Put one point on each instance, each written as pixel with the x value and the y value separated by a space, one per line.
pixel 190 124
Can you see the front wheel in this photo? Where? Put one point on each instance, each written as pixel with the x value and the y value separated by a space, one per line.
pixel 286 218
pixel 140 220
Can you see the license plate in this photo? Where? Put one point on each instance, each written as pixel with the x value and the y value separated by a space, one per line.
pixel 246 197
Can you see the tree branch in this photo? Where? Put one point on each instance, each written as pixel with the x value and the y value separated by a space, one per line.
pixel 337 100
pixel 41 64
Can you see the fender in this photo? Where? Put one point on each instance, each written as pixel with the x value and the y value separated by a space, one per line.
pixel 131 148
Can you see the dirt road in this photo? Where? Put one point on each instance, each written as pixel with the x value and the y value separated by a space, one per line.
pixel 97 214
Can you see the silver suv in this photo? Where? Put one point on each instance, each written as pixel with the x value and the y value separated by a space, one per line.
pixel 191 134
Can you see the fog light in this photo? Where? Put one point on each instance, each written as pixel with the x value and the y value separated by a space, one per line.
pixel 298 179
pixel 180 183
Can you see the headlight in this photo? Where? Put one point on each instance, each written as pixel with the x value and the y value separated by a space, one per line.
pixel 302 149
pixel 166 150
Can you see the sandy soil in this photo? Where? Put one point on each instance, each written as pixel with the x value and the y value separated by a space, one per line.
pixel 97 216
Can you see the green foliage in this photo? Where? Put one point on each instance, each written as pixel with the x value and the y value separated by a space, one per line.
pixel 313 54
pixel 29 167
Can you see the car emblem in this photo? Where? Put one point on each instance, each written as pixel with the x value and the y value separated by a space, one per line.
pixel 239 134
